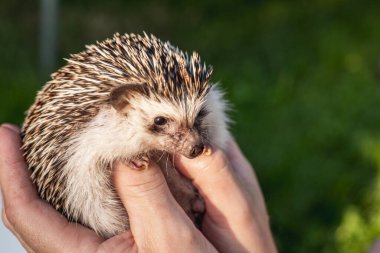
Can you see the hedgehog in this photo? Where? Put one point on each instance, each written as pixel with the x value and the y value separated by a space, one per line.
pixel 131 98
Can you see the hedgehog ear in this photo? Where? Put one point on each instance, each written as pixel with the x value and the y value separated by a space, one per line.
pixel 120 96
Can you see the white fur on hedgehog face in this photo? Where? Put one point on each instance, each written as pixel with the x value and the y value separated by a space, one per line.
pixel 167 125
pixel 113 135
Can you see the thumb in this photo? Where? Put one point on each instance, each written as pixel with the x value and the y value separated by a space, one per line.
pixel 142 184
pixel 215 179
pixel 146 197
pixel 211 173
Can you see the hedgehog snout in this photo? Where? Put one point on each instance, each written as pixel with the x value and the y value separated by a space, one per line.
pixel 193 147
pixel 196 150
pixel 188 143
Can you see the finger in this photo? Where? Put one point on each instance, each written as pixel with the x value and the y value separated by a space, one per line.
pixel 38 224
pixel 12 127
pixel 227 205
pixel 239 163
pixel 223 178
pixel 246 173
pixel 225 197
pixel 157 222
pixel 9 226
pixel 120 243
pixel 231 211
pixel 211 173
pixel 14 176
pixel 150 205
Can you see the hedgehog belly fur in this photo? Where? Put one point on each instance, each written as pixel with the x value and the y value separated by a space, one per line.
pixel 90 196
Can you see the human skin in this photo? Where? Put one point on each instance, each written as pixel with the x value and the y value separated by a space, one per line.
pixel 236 219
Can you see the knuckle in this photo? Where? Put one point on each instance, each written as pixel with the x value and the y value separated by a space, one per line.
pixel 12 212
pixel 9 214
pixel 5 219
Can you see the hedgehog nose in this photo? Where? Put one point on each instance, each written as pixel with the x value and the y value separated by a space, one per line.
pixel 196 150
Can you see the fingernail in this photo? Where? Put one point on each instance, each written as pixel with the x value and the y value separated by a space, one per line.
pixel 207 151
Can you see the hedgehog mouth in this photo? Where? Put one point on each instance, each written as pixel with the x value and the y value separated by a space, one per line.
pixel 193 151
pixel 190 152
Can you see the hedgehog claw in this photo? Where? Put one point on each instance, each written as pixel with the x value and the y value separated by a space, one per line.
pixel 140 163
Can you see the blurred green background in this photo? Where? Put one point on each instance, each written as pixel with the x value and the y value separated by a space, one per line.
pixel 304 79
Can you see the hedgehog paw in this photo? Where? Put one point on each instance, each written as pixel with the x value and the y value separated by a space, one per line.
pixel 140 163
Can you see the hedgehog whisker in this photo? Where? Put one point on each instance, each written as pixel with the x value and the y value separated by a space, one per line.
pixel 162 155
pixel 173 161
pixel 166 164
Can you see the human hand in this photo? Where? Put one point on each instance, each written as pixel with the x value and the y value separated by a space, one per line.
pixel 158 224
pixel 236 219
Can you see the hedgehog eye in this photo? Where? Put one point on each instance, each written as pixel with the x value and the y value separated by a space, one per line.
pixel 160 120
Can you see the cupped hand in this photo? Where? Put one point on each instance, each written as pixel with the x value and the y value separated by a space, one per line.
pixel 235 221
pixel 158 224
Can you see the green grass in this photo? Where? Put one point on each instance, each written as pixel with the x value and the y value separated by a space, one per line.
pixel 303 79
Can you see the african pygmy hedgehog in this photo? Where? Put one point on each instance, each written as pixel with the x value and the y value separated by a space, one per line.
pixel 127 98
